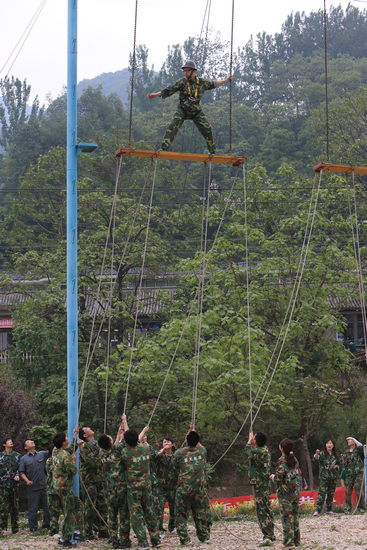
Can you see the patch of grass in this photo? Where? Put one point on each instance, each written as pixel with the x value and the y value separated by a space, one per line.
pixel 333 528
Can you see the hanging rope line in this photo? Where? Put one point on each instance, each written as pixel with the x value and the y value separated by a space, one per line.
pixel 326 85
pixel 140 285
pixel 293 297
pixel 133 73
pixel 194 299
pixel 230 84
pixel 248 295
pixel 91 354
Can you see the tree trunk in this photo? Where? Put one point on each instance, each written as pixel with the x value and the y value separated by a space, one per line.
pixel 308 461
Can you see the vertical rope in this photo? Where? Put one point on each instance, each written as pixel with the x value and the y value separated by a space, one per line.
pixel 326 88
pixel 140 284
pixel 248 295
pixel 230 84
pixel 133 73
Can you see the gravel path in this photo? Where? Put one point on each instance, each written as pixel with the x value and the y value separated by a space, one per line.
pixel 323 533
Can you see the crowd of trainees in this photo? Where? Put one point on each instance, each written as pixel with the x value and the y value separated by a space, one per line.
pixel 125 483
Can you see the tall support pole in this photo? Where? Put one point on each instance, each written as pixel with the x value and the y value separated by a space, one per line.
pixel 72 251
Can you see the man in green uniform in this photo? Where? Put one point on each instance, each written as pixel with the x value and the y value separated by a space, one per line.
pixel 9 480
pixel 191 89
pixel 93 481
pixel 190 494
pixel 167 477
pixel 135 457
pixel 259 473
pixel 116 487
pixel 354 466
pixel 63 473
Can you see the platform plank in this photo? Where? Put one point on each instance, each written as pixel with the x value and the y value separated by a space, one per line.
pixel 342 168
pixel 190 157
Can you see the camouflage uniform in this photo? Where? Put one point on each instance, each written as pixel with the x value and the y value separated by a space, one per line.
pixel 327 476
pixel 354 465
pixel 139 492
pixel 116 494
pixel 63 472
pixel 191 492
pixel 9 490
pixel 92 475
pixel 53 499
pixel 167 488
pixel 189 108
pixel 288 495
pixel 258 476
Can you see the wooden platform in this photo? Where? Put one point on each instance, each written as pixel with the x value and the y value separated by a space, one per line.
pixel 190 157
pixel 342 168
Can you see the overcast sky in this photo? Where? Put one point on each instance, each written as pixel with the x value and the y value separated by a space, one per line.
pixel 106 27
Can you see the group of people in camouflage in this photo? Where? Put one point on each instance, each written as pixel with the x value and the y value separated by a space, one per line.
pixel 287 478
pixel 126 482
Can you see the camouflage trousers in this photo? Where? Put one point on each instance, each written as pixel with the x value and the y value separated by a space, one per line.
pixel 54 507
pixel 353 479
pixel 263 511
pixel 72 508
pixel 201 123
pixel 208 513
pixel 141 508
pixel 118 509
pixel 326 489
pixel 191 499
pixel 9 504
pixel 167 496
pixel 97 495
pixel 289 510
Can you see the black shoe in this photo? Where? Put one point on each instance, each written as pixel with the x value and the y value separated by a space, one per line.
pixel 125 544
pixel 80 537
pixel 45 526
pixel 33 530
pixel 66 543
pixel 143 546
pixel 156 544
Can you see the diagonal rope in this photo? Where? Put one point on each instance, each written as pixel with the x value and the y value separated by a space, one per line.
pixel 140 284
pixel 194 299
pixel 293 293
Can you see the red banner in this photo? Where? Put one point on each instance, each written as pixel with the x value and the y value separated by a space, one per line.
pixel 6 322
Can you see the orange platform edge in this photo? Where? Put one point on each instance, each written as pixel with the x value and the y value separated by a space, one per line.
pixel 191 157
pixel 342 168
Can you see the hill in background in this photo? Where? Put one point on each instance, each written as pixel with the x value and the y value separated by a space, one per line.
pixel 117 82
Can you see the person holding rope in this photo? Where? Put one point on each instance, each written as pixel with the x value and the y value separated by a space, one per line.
pixel 167 477
pixel 93 482
pixel 329 465
pixel 354 466
pixel 287 480
pixel 191 89
pixel 9 487
pixel 116 486
pixel 259 472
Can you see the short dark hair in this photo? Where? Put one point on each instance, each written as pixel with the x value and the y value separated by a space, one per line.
pixel 131 437
pixel 81 434
pixel 59 439
pixel 25 441
pixel 5 439
pixel 50 449
pixel 168 438
pixel 261 439
pixel 104 442
pixel 193 439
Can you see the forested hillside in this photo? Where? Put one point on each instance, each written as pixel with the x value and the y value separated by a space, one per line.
pixel 314 388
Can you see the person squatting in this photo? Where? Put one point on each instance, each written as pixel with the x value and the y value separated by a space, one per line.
pixel 125 484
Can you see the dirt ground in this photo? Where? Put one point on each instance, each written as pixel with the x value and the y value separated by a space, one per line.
pixel 338 532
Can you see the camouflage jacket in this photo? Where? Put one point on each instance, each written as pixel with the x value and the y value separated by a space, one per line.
pixel 259 465
pixel 137 464
pixel 114 466
pixel 190 93
pixel 326 472
pixel 9 468
pixel 63 470
pixel 354 461
pixel 189 463
pixel 91 467
pixel 167 475
pixel 154 458
pixel 49 467
pixel 287 480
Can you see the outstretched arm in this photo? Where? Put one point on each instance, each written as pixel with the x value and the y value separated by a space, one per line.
pixel 228 79
pixel 153 95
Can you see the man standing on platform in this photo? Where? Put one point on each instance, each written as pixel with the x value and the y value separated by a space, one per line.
pixel 191 89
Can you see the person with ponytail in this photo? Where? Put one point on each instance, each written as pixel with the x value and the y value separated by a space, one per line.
pixel 287 480
pixel 329 465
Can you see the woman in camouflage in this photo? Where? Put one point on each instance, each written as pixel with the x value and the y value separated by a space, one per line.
pixel 329 465
pixel 287 480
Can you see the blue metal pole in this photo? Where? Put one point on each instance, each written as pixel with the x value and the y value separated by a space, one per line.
pixel 72 252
